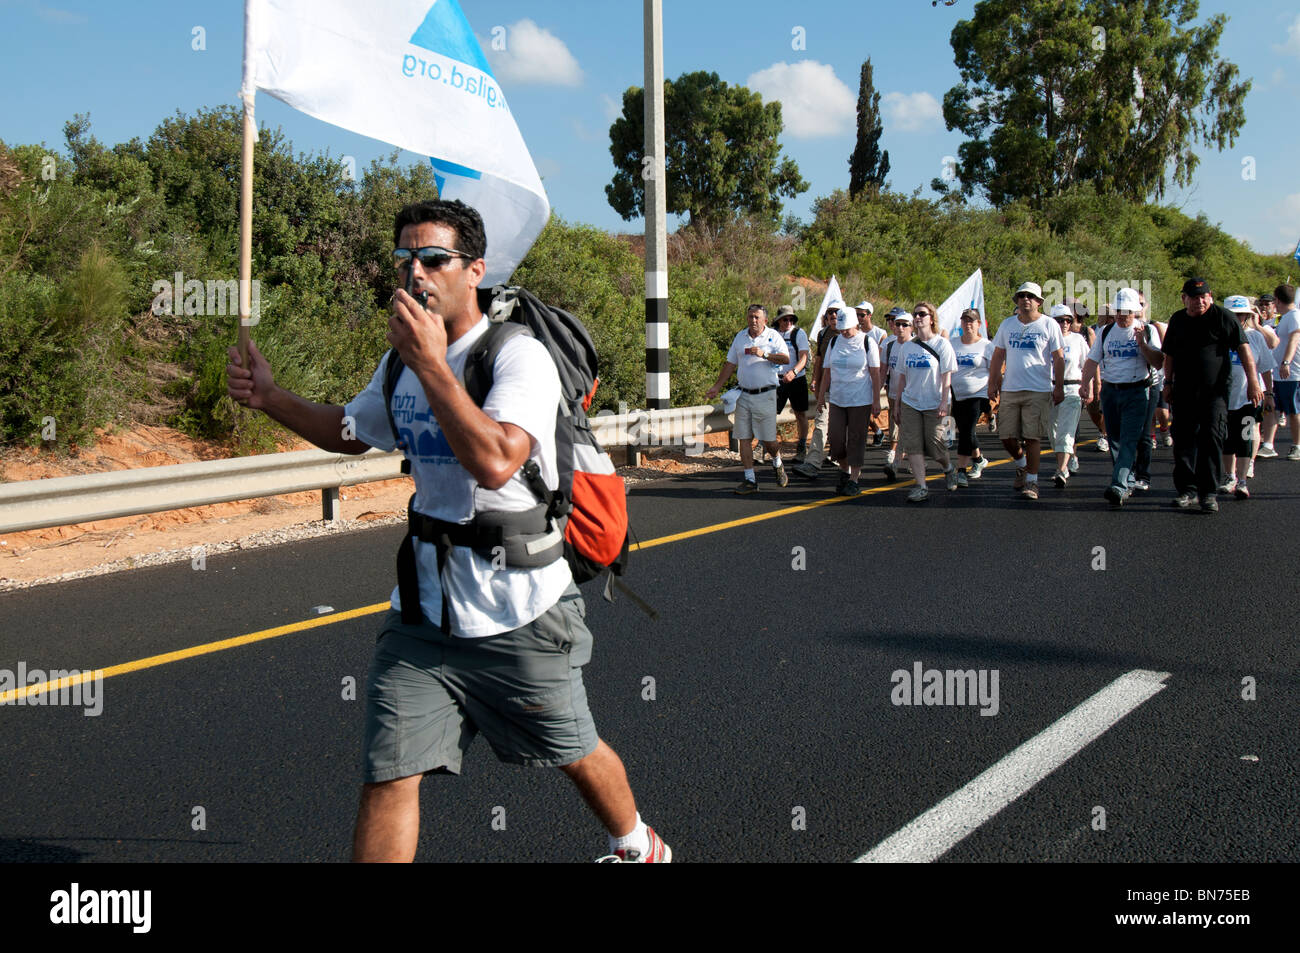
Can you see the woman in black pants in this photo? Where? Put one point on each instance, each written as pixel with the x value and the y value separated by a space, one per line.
pixel 970 394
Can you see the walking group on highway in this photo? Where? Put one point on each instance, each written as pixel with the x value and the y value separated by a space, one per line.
pixel 493 639
pixel 1215 382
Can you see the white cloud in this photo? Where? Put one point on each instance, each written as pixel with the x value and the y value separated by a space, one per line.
pixel 814 103
pixel 1292 44
pixel 1283 216
pixel 613 107
pixel 55 15
pixel 548 168
pixel 534 55
pixel 582 133
pixel 910 112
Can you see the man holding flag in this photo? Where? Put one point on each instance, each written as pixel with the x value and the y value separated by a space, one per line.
pixel 507 658
pixel 479 647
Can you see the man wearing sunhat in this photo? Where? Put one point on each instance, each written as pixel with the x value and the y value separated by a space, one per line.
pixel 1125 358
pixel 793 386
pixel 1198 371
pixel 1028 355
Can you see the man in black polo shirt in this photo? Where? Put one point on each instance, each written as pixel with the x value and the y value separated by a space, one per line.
pixel 1198 370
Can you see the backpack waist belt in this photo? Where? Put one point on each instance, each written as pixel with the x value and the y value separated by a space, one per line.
pixel 524 539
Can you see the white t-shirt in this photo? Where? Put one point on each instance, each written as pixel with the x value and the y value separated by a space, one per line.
pixel 878 335
pixel 971 379
pixel 923 372
pixel 1264 363
pixel 1029 349
pixel 850 361
pixel 1287 325
pixel 793 346
pixel 1120 358
pixel 1075 346
pixel 525 392
pixel 752 370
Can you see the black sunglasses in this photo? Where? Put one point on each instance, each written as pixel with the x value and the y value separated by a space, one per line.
pixel 431 257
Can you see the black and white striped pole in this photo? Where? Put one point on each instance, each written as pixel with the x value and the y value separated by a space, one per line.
pixel 656 242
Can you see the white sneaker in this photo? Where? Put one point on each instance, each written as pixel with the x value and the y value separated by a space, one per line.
pixel 1103 445
pixel 1294 452
pixel 977 467
pixel 1169 439
pixel 1250 470
pixel 1229 486
pixel 1266 452
pixel 1074 464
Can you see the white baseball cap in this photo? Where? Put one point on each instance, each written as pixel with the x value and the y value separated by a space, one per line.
pixel 1127 300
pixel 865 305
pixel 1060 311
pixel 1239 304
pixel 1032 288
pixel 847 318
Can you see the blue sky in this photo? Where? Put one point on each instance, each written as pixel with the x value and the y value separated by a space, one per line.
pixel 131 64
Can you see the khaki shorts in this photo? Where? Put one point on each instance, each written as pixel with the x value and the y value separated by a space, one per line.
pixel 1025 415
pixel 755 416
pixel 428 694
pixel 922 434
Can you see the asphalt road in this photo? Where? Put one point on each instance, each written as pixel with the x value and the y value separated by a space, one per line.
pixel 773 733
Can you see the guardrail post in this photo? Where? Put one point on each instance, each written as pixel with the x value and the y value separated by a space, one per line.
pixel 329 504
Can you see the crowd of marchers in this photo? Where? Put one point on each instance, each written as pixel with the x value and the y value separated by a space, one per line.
pixel 1215 382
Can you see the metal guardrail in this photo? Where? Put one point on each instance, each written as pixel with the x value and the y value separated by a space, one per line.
pixel 61 501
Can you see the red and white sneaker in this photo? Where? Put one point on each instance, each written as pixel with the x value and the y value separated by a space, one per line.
pixel 659 853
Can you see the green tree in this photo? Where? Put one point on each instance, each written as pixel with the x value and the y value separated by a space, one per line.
pixel 723 158
pixel 1113 92
pixel 868 166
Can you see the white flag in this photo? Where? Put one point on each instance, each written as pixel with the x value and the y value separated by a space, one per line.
pixel 832 294
pixel 410 73
pixel 969 295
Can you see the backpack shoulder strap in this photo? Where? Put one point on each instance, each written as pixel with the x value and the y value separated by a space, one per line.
pixel 933 352
pixel 1104 332
pixel 479 363
pixel 393 368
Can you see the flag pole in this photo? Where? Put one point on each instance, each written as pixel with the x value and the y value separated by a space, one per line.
pixel 246 93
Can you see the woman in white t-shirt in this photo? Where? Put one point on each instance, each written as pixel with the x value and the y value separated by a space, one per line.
pixel 970 394
pixel 1065 415
pixel 850 382
pixel 925 370
pixel 1124 359
pixel 1244 418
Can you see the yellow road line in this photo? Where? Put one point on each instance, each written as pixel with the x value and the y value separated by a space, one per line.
pixel 208 648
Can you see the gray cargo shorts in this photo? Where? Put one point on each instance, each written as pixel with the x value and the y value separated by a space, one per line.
pixel 428 694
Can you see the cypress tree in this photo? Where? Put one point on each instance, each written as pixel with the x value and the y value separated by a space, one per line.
pixel 868 166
